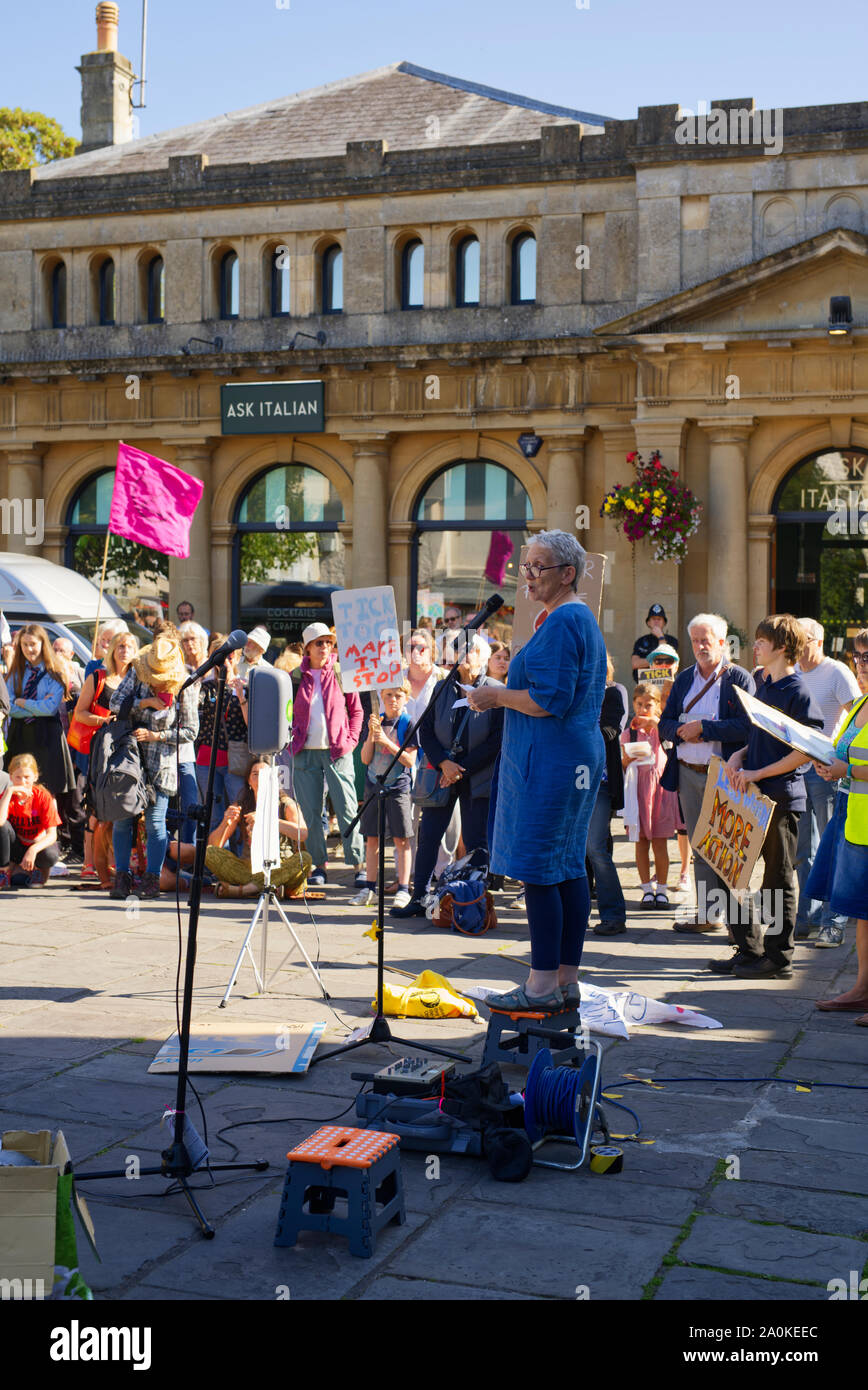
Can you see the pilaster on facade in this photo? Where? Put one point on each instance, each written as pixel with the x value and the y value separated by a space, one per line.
pixel 566 477
pixel 371 457
pixel 727 519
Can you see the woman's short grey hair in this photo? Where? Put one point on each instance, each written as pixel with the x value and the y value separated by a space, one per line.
pixel 477 644
pixel 191 629
pixel 718 625
pixel 564 550
pixel 113 626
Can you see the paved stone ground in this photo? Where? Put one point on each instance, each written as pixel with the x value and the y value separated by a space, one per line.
pixel 87 996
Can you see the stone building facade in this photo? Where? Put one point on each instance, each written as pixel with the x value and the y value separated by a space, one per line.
pixel 623 289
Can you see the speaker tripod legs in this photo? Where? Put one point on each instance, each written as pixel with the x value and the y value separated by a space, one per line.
pixel 268 898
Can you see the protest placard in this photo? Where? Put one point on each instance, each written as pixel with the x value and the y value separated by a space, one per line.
pixel 789 731
pixel 731 827
pixel 369 651
pixel 590 592
pixel 655 675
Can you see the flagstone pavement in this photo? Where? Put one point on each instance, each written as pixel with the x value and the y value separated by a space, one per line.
pixel 744 1186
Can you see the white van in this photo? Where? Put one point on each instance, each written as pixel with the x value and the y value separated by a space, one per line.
pixel 33 590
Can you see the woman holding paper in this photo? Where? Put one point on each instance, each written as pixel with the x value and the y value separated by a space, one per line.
pixel 840 870
pixel 550 770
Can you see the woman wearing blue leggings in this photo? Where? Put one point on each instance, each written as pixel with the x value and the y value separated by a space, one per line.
pixel 550 768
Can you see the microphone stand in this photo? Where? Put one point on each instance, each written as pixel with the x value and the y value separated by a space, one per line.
pixel 177 1163
pixel 380 1032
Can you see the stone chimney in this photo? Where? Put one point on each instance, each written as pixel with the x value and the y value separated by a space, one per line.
pixel 106 87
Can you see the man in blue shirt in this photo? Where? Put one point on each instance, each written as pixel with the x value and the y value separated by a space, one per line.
pixel 772 764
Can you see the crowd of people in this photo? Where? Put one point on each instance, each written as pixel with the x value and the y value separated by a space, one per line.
pixel 531 769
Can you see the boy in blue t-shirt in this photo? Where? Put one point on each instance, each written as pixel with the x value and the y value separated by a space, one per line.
pixel 774 765
pixel 385 736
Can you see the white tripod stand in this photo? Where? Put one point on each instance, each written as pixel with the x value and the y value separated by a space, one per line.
pixel 264 858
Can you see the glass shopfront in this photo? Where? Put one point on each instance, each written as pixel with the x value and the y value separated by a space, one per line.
pixel 289 554
pixel 821 543
pixel 471 522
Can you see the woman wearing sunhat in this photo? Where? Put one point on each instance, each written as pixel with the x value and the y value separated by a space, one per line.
pixel 326 725
pixel 159 716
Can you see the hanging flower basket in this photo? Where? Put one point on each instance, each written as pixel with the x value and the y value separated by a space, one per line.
pixel 657 507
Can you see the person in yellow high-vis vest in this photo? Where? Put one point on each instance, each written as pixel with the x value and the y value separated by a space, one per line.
pixel 840 870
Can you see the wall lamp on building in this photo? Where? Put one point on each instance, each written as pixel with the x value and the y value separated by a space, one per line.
pixel 215 343
pixel 319 337
pixel 530 445
pixel 840 315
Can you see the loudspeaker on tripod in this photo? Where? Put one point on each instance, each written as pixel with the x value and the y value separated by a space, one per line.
pixel 269 696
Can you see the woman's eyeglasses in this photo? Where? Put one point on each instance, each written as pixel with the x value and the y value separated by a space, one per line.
pixel 861 658
pixel 534 571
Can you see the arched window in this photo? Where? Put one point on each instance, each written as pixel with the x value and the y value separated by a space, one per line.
pixel 523 283
pixel 413 275
pixel 155 290
pixel 106 307
pixel 230 286
pixel 471 522
pixel 467 271
pixel 57 295
pixel 821 543
pixel 333 280
pixel 280 282
pixel 289 553
pixel 137 578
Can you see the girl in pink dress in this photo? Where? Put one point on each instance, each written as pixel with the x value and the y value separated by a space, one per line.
pixel 655 815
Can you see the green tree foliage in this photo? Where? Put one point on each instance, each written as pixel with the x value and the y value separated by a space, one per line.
pixel 265 552
pixel 129 565
pixel 28 138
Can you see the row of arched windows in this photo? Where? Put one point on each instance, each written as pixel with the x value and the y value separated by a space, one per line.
pixel 466 282
pixel 103 292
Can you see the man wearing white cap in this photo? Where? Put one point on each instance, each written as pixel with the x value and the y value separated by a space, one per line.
pixel 258 642
pixel 326 725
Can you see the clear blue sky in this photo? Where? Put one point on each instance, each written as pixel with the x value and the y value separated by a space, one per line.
pixel 210 56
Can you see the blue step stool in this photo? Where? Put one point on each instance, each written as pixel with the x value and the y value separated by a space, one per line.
pixel 356 1169
pixel 517 1038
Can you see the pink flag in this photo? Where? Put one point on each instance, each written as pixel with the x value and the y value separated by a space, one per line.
pixel 498 554
pixel 153 502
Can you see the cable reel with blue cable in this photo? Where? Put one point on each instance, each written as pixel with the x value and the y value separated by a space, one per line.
pixel 563 1103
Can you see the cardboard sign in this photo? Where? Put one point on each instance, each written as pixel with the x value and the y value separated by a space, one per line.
pixel 731 827
pixel 249 1048
pixel 590 592
pixel 369 650
pixel 655 675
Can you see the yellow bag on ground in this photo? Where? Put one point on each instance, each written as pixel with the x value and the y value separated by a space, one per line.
pixel 429 996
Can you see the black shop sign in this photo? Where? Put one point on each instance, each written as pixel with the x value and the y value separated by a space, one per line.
pixel 273 407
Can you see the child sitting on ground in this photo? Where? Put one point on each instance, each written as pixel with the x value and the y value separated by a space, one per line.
pixel 385 736
pixel 28 827
pixel 650 813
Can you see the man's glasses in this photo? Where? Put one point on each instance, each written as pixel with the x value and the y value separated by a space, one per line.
pixel 534 571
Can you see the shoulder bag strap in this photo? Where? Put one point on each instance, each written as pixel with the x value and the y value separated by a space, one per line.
pixel 708 684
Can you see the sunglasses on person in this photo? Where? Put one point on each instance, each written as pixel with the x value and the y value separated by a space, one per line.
pixel 534 571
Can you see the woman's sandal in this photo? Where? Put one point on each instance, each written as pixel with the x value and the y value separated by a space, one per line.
pixel 517 1001
pixel 228 890
pixel 649 900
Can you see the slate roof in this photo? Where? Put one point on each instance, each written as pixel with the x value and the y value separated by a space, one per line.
pixel 392 103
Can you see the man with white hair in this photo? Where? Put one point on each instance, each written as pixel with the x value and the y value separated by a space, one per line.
pixel 834 688
pixel 703 718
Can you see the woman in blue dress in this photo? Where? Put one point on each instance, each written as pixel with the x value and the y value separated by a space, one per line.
pixel 550 768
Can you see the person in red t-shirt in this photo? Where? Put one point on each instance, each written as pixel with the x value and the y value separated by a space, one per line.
pixel 28 827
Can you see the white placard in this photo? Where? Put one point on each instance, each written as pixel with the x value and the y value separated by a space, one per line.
pixel 369 650
pixel 799 736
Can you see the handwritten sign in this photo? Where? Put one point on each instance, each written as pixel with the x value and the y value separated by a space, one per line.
pixel 590 592
pixel 369 649
pixel 655 675
pixel 731 827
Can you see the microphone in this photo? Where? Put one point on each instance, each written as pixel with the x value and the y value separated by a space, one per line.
pixel 491 607
pixel 236 639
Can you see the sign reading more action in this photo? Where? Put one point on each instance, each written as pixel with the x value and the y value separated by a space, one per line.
pixel 369 651
pixel 731 827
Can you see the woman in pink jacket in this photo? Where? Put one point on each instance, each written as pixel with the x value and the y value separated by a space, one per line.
pixel 326 725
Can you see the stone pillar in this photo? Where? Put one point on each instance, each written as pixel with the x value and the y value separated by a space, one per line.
pixel 370 509
pixel 760 580
pixel 727 515
pixel 659 581
pixel 400 543
pixel 23 517
pixel 222 538
pixel 616 614
pixel 566 485
pixel 191 578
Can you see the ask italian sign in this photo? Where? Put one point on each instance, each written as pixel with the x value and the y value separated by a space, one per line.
pixel 273 407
